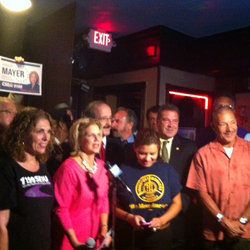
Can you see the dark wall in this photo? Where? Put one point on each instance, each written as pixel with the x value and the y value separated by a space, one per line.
pixel 50 42
pixel 225 56
pixel 12 30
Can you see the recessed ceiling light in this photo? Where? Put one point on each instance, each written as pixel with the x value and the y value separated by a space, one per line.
pixel 16 5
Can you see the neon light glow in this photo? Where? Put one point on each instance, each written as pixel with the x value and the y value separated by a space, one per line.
pixel 191 95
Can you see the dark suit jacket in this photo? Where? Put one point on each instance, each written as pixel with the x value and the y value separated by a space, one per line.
pixel 114 151
pixel 182 152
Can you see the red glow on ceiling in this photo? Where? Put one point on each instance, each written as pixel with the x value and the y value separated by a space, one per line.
pixel 192 96
pixel 151 50
pixel 215 71
pixel 107 26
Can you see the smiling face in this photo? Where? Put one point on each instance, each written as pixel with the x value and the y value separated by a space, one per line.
pixel 147 154
pixel 91 140
pixel 225 127
pixel 168 124
pixel 121 128
pixel 39 138
pixel 104 115
pixel 33 78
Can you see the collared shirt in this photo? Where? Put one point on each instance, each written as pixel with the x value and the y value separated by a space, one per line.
pixel 226 180
pixel 104 141
pixel 168 145
pixel 131 139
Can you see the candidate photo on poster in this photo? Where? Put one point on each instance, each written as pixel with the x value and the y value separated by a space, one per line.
pixel 34 82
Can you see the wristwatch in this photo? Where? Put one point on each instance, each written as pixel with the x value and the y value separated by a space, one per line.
pixel 219 217
pixel 243 220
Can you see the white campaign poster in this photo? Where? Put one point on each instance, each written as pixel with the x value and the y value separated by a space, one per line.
pixel 22 78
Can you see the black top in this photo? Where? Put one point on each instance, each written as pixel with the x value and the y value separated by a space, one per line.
pixel 29 196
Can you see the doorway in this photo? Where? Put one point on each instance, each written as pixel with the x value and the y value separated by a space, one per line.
pixel 130 95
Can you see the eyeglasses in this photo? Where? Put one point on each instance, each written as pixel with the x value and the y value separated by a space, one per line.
pixel 9 112
pixel 105 119
pixel 224 106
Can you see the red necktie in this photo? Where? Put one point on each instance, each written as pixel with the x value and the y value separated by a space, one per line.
pixel 102 153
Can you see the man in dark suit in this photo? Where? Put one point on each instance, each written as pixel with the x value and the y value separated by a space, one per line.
pixel 111 150
pixel 124 127
pixel 179 152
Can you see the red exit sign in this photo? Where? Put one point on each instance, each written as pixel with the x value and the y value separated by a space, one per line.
pixel 100 40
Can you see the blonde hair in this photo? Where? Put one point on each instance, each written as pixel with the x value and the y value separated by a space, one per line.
pixel 78 130
pixel 4 99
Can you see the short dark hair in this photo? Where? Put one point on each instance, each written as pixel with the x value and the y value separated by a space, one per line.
pixel 147 136
pixel 61 115
pixel 131 116
pixel 153 109
pixel 89 111
pixel 168 107
pixel 226 94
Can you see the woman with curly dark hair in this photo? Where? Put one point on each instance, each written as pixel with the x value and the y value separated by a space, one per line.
pixel 26 196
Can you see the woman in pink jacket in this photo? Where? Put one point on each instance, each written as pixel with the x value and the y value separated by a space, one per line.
pixel 81 188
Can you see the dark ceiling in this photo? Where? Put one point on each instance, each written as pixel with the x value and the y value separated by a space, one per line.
pixel 196 18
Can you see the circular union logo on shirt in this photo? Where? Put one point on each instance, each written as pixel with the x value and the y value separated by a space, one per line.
pixel 149 188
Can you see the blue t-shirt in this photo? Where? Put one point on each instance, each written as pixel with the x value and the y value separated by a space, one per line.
pixel 153 189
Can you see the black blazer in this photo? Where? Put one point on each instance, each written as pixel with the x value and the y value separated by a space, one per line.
pixel 182 152
pixel 114 151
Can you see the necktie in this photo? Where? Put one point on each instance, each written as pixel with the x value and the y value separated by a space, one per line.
pixel 102 153
pixel 164 152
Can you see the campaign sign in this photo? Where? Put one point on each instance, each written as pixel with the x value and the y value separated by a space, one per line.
pixel 21 78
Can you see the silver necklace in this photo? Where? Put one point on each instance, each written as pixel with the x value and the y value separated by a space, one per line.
pixel 88 168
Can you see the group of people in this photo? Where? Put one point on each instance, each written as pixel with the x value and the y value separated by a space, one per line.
pixel 171 196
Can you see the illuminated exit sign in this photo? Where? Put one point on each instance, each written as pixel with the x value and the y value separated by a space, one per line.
pixel 100 40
